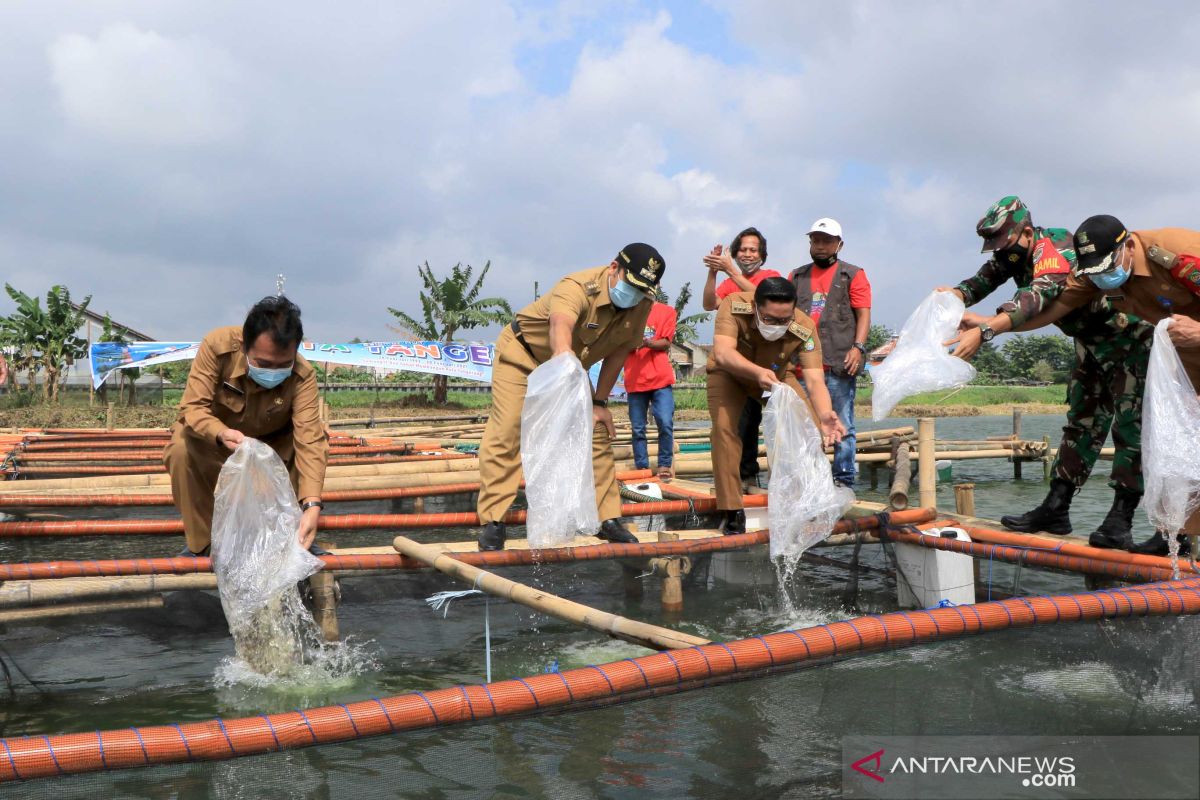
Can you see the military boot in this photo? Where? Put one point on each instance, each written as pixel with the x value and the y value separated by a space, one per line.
pixel 1115 533
pixel 1052 516
pixel 1156 545
pixel 493 536
pixel 735 522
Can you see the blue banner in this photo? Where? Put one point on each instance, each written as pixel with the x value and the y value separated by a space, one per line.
pixel 469 360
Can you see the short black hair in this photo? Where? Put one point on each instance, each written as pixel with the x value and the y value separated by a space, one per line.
pixel 277 316
pixel 774 290
pixel 762 243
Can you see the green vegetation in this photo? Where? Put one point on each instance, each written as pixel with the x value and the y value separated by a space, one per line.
pixel 43 339
pixel 448 306
pixel 980 396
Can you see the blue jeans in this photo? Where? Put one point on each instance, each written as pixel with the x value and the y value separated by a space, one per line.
pixel 661 403
pixel 841 393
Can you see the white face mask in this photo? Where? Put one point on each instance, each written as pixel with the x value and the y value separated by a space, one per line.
pixel 770 332
pixel 748 269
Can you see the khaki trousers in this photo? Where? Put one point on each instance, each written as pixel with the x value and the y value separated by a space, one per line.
pixel 500 450
pixel 726 398
pixel 194 466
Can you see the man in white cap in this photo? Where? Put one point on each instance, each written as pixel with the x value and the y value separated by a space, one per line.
pixel 837 296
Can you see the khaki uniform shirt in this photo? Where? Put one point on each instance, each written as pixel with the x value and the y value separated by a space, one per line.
pixel 799 347
pixel 220 395
pixel 1151 292
pixel 601 328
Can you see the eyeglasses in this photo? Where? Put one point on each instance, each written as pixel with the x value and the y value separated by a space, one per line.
pixel 774 320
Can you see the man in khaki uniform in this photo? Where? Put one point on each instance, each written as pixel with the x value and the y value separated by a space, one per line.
pixel 248 382
pixel 759 339
pixel 1151 274
pixel 597 314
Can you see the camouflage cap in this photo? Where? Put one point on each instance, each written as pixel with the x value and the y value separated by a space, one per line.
pixel 1002 223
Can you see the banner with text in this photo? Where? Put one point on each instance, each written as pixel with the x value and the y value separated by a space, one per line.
pixel 467 360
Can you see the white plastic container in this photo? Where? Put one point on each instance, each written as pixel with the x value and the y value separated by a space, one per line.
pixel 926 576
pixel 655 522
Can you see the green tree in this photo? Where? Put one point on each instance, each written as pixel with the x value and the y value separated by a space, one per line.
pixel 1023 352
pixel 990 364
pixel 685 326
pixel 45 338
pixel 450 305
pixel 877 336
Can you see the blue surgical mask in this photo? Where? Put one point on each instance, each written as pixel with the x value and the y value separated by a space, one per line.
pixel 1111 279
pixel 268 378
pixel 624 295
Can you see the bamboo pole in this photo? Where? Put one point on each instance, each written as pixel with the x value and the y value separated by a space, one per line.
pixel 901 477
pixel 926 468
pixel 76 609
pixel 964 499
pixel 672 585
pixel 1016 434
pixel 17 594
pixel 629 630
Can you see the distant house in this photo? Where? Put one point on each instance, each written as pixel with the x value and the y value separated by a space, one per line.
pixel 876 356
pixel 689 359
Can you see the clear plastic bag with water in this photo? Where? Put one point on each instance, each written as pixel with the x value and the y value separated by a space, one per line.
pixel 258 560
pixel 1170 439
pixel 556 453
pixel 804 503
pixel 920 362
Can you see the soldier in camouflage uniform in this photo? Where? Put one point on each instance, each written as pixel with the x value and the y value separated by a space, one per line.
pixel 1105 387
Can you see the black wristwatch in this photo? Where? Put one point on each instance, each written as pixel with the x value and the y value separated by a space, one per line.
pixel 601 403
pixel 861 347
pixel 312 504
pixel 986 333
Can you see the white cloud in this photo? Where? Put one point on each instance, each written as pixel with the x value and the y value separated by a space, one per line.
pixel 139 86
pixel 195 142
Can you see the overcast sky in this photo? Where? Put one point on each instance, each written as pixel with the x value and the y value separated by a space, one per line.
pixel 170 158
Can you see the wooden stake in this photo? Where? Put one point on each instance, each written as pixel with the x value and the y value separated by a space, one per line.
pixel 324 595
pixel 964 499
pixel 901 476
pixel 926 466
pixel 1016 437
pixel 672 587
pixel 629 630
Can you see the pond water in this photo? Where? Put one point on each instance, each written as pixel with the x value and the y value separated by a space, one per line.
pixel 772 737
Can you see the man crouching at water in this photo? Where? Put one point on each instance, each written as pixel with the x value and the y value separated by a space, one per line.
pixel 248 382
pixel 760 339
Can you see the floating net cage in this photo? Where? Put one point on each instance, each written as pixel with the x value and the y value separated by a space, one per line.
pixel 124 704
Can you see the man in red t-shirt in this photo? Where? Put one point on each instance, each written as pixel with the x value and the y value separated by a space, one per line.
pixel 742 263
pixel 649 377
pixel 837 295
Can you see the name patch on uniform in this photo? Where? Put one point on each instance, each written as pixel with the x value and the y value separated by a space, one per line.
pixel 798 330
pixel 741 307
pixel 1047 260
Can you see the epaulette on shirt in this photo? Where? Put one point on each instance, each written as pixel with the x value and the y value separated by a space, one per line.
pixel 741 307
pixel 799 331
pixel 592 288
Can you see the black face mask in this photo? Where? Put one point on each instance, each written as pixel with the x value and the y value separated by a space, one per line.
pixel 824 262
pixel 1011 256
